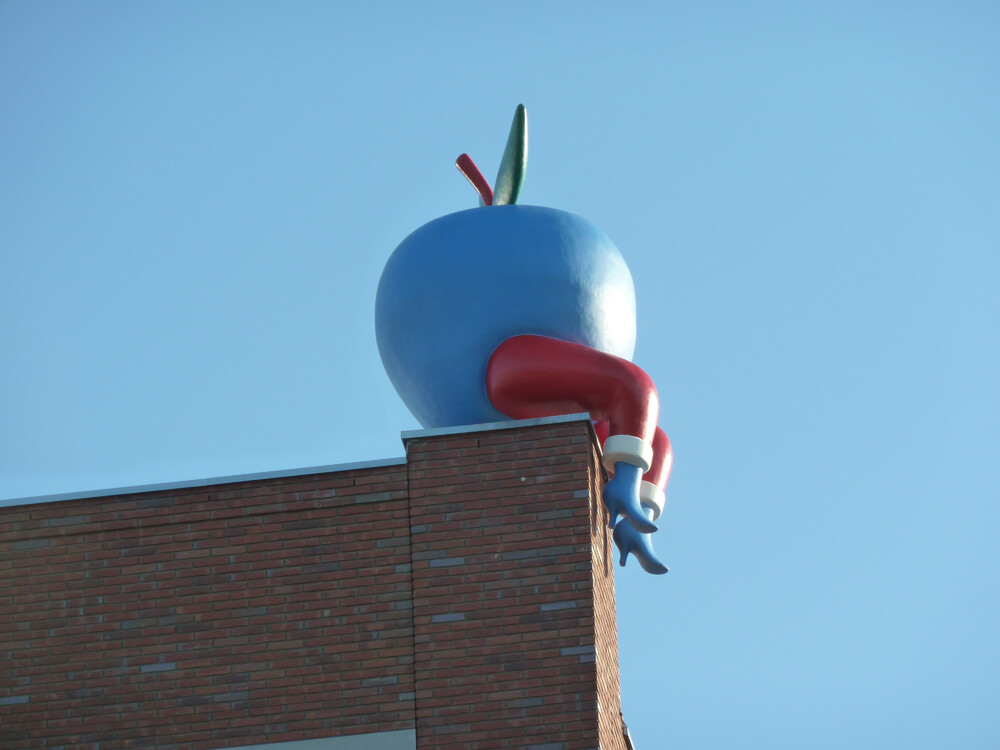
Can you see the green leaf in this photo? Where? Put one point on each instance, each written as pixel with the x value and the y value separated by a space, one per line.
pixel 514 164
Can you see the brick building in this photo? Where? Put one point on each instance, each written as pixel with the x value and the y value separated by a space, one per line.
pixel 462 597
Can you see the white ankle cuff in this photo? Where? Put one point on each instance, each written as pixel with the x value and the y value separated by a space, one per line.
pixel 627 448
pixel 653 498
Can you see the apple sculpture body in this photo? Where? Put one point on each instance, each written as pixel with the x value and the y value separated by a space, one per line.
pixel 459 286
pixel 509 311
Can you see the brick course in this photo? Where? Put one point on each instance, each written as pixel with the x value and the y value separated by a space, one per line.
pixel 468 594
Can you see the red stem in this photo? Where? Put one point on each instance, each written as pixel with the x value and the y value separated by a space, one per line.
pixel 468 168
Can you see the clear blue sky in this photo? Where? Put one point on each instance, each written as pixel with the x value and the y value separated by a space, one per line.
pixel 196 202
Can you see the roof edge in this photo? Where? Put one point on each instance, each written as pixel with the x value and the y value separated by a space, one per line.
pixel 188 483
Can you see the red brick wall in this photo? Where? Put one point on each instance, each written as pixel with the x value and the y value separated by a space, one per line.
pixel 196 617
pixel 603 559
pixel 503 591
pixel 468 593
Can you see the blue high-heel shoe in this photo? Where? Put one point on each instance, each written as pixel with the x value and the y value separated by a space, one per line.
pixel 629 539
pixel 621 497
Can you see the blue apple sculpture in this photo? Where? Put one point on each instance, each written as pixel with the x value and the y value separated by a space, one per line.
pixel 461 285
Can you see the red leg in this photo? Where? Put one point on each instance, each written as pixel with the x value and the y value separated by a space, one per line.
pixel 654 481
pixel 537 376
